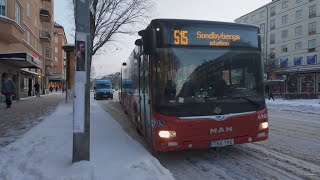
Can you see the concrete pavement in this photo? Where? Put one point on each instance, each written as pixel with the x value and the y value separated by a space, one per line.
pixel 25 114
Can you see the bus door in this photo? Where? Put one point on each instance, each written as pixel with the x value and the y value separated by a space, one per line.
pixel 145 97
pixel 148 130
pixel 142 96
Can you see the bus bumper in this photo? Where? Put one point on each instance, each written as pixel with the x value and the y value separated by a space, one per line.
pixel 175 145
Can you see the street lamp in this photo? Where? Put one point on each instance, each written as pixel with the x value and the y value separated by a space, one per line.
pixel 123 64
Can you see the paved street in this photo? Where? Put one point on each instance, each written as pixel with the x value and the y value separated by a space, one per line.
pixel 291 152
pixel 25 114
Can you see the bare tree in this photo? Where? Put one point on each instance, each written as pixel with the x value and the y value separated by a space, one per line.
pixel 271 64
pixel 113 17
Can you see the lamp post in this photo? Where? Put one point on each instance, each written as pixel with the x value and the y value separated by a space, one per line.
pixel 123 64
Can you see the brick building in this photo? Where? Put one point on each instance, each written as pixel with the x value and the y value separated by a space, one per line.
pixel 59 57
pixel 25 42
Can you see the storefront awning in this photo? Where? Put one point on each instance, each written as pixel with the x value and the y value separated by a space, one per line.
pixel 21 60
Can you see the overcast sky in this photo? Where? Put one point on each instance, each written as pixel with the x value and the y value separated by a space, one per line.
pixel 216 10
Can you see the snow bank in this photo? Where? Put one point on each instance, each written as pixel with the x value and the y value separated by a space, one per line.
pixel 299 105
pixel 45 152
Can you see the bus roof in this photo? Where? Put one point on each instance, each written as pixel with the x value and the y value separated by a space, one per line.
pixel 203 22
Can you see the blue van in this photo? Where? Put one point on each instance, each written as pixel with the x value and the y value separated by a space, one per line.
pixel 103 89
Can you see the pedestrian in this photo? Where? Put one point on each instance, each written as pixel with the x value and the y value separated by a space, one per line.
pixel 37 89
pixel 270 93
pixel 56 88
pixel 51 89
pixel 8 89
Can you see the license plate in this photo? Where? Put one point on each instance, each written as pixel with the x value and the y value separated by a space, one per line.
pixel 221 143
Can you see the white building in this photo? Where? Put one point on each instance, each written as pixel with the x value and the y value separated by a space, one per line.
pixel 290 33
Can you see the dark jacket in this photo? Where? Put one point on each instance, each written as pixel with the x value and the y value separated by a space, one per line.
pixel 8 87
pixel 37 87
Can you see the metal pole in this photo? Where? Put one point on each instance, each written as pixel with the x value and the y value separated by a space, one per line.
pixel 81 129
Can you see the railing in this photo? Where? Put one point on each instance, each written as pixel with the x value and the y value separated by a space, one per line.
pixel 45 34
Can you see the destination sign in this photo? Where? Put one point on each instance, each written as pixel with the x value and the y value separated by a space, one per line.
pixel 212 35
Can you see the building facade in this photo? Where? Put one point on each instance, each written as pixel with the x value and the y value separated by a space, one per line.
pixel 290 38
pixel 25 38
pixel 59 58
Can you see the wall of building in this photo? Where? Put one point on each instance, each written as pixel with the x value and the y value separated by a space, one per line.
pixel 286 22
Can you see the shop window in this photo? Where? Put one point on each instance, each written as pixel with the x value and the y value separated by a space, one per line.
pixel 3 7
pixel 307 83
pixel 293 84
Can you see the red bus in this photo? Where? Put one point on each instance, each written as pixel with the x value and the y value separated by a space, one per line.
pixel 196 84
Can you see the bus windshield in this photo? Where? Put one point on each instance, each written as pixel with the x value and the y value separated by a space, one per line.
pixel 207 81
pixel 103 86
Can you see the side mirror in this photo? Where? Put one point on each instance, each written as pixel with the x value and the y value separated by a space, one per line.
pixel 149 41
pixel 138 42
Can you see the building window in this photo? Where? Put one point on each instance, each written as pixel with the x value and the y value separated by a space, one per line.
pixel 28 37
pixel 312 11
pixel 17 13
pixel 3 7
pixel 319 84
pixel 307 83
pixel 285 34
pixel 285 19
pixel 272 24
pixel 48 54
pixel 262 14
pixel 262 28
pixel 56 50
pixel 298 46
pixel 299 14
pixel 298 31
pixel 312 45
pixel 56 39
pixel 56 59
pixel 253 18
pixel 284 62
pixel 272 11
pixel 284 48
pixel 312 28
pixel 272 38
pixel 284 5
pixel 28 9
pixel 298 1
pixel 293 84
pixel 35 21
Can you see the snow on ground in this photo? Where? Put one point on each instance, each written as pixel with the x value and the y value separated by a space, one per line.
pixel 45 152
pixel 311 106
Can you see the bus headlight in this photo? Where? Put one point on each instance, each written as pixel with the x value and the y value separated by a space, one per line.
pixel 263 125
pixel 167 134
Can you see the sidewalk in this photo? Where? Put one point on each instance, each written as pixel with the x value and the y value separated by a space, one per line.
pixel 311 106
pixel 25 114
pixel 45 152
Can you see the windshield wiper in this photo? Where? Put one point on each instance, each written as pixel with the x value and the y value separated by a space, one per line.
pixel 247 99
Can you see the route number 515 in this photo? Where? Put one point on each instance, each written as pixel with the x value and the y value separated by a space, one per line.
pixel 180 37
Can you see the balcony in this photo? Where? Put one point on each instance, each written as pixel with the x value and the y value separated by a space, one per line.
pixel 45 36
pixel 313 15
pixel 10 31
pixel 45 15
pixel 312 32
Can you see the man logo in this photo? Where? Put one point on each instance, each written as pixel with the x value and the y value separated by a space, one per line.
pixel 220 130
pixel 217 110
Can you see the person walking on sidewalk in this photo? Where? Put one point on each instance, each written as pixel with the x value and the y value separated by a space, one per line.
pixel 270 92
pixel 51 89
pixel 8 89
pixel 37 89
